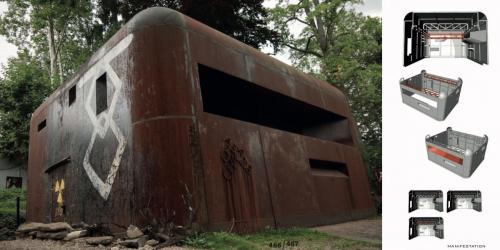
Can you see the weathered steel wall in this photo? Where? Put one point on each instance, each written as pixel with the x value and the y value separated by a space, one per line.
pixel 155 143
pixel 84 150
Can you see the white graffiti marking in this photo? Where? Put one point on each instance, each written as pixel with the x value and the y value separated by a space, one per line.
pixel 104 120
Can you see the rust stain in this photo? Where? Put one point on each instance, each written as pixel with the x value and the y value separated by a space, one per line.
pixel 243 155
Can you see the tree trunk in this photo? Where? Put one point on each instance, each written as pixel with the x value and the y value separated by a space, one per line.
pixel 58 56
pixel 52 51
pixel 59 65
pixel 322 39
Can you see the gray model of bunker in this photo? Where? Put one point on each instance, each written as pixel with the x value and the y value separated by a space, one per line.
pixel 464 200
pixel 458 152
pixel 425 199
pixel 433 95
pixel 426 226
pixel 445 34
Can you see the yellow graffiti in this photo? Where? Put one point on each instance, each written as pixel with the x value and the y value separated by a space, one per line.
pixel 59 188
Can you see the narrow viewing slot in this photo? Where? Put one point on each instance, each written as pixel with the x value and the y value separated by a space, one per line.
pixel 72 95
pixel 42 125
pixel 408 46
pixel 235 98
pixel 328 168
pixel 101 94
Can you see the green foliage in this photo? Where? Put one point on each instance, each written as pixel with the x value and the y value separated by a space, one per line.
pixel 27 24
pixel 271 239
pixel 244 20
pixel 22 88
pixel 8 205
pixel 219 240
pixel 344 48
pixel 8 200
pixel 354 64
pixel 41 64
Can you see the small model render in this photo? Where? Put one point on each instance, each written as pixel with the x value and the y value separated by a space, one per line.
pixel 445 34
pixel 464 200
pixel 426 226
pixel 425 199
pixel 458 152
pixel 432 95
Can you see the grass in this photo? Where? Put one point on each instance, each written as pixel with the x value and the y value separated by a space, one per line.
pixel 295 238
pixel 8 200
pixel 8 206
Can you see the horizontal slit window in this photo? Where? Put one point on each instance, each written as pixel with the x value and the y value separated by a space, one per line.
pixel 328 168
pixel 422 99
pixel 42 125
pixel 235 98
pixel 445 155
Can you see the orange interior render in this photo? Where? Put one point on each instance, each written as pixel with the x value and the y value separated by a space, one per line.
pixel 445 155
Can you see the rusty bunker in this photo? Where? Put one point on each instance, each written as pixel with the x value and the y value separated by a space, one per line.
pixel 171 115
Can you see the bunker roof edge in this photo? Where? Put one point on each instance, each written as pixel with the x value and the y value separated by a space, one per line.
pixel 161 16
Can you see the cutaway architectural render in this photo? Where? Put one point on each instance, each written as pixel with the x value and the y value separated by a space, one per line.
pixel 464 200
pixel 426 226
pixel 425 199
pixel 458 152
pixel 433 95
pixel 445 35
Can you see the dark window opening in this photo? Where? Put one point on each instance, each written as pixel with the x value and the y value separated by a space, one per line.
pixel 14 182
pixel 232 97
pixel 101 94
pixel 42 125
pixel 72 95
pixel 328 168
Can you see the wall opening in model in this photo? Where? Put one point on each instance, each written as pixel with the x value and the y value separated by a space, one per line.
pixel 445 35
pixel 235 98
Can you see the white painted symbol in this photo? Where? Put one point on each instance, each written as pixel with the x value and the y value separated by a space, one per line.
pixel 104 120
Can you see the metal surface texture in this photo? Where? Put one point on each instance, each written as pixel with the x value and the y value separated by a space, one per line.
pixel 164 130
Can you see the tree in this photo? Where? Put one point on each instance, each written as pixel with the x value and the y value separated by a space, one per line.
pixel 344 48
pixel 244 20
pixel 54 31
pixel 56 36
pixel 23 87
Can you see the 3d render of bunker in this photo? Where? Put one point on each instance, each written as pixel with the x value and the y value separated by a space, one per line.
pixel 170 113
pixel 425 199
pixel 433 95
pixel 458 152
pixel 445 34
pixel 464 200
pixel 426 226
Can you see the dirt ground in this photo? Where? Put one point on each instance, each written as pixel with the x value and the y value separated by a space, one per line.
pixel 367 230
pixel 30 244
